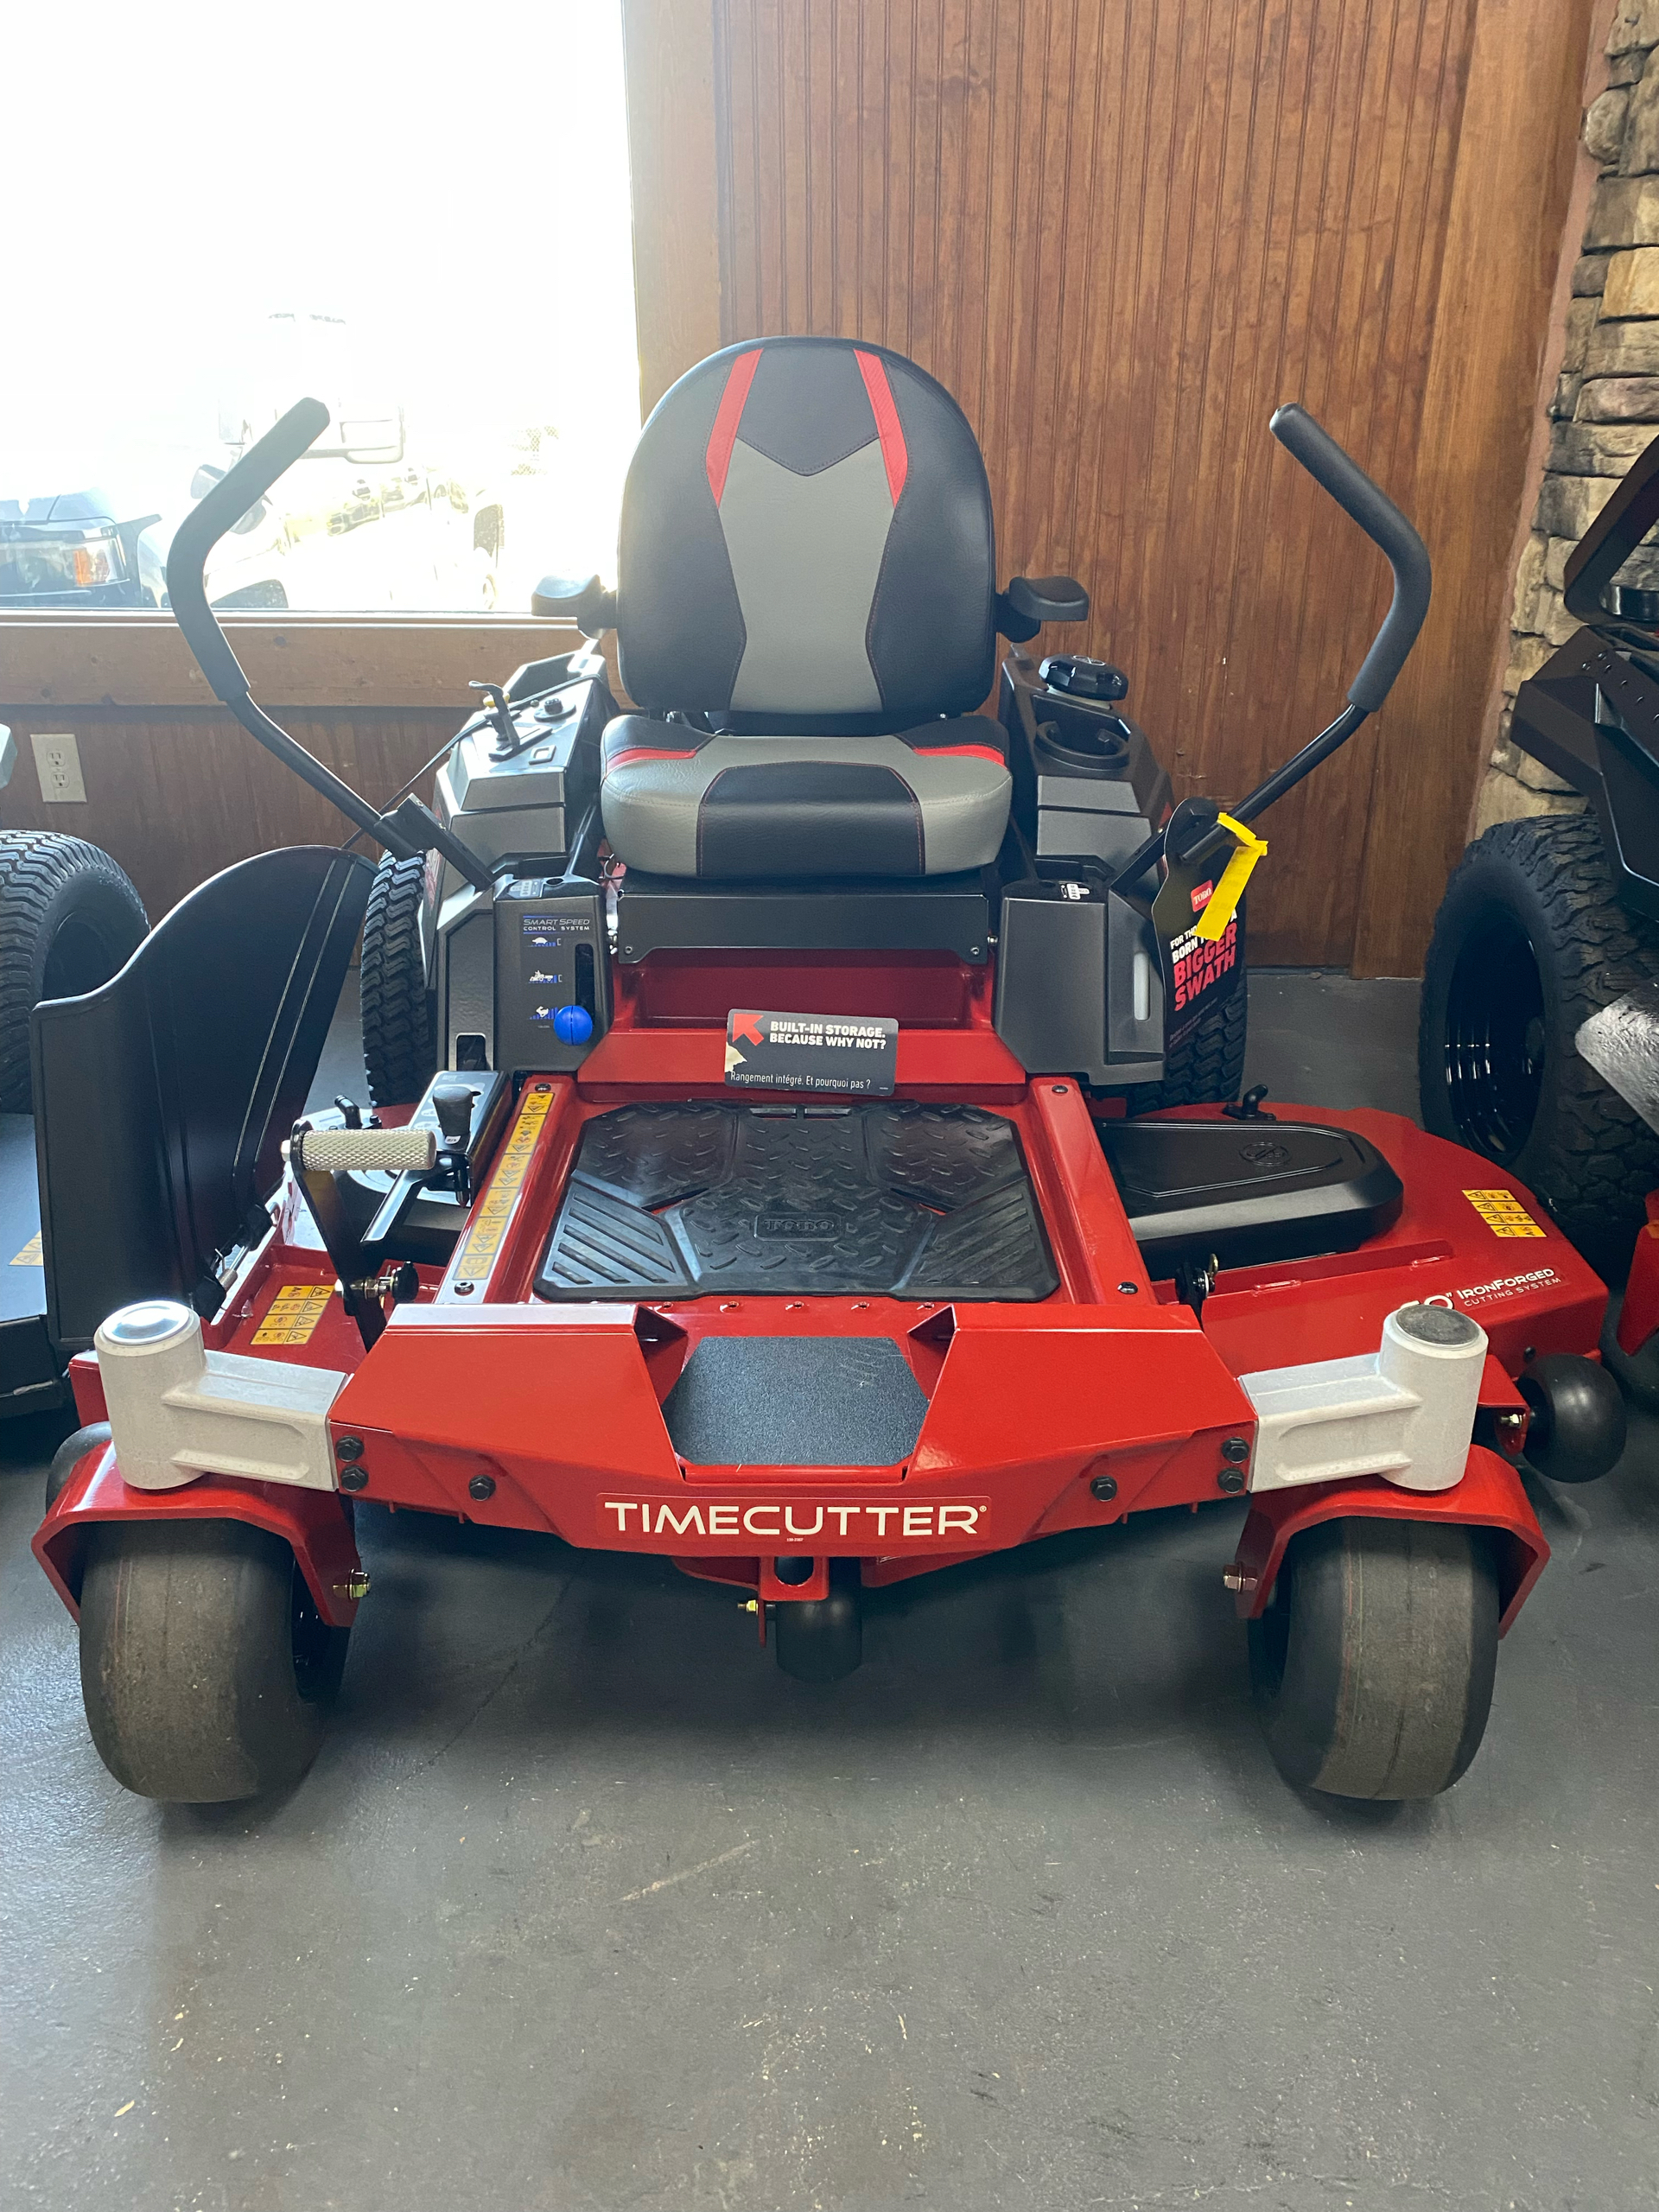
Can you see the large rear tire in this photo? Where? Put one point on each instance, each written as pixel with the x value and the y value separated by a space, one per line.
pixel 205 1669
pixel 69 919
pixel 1207 1067
pixel 399 1046
pixel 1531 940
pixel 1372 1666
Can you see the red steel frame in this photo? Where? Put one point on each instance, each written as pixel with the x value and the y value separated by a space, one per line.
pixel 560 1406
pixel 1639 1316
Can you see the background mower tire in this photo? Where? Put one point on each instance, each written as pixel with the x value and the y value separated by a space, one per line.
pixel 1531 940
pixel 69 919
pixel 397 1026
pixel 1372 1666
pixel 206 1668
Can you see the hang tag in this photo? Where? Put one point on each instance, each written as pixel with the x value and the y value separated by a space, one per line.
pixel 1200 972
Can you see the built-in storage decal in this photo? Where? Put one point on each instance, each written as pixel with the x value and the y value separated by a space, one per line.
pixel 812 1052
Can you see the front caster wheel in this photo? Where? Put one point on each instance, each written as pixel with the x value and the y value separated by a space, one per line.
pixel 69 1455
pixel 1372 1666
pixel 821 1639
pixel 205 1668
pixel 1577 1431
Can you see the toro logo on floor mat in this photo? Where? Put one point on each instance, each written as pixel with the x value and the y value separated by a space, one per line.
pixel 869 1524
pixel 812 1052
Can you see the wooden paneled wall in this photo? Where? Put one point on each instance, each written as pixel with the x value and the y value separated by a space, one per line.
pixel 176 790
pixel 1121 231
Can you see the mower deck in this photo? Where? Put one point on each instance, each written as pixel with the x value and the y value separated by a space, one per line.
pixel 855 1405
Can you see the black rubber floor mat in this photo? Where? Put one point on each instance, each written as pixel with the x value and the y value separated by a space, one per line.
pixel 795 1402
pixel 676 1200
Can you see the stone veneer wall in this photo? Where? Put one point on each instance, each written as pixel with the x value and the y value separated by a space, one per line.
pixel 1606 406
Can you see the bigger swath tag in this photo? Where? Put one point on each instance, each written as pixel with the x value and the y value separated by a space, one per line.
pixel 812 1052
pixel 1200 931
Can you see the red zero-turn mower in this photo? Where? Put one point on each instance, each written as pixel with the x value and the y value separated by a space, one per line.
pixel 806 1145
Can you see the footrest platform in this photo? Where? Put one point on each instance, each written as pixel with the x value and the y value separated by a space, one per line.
pixel 895 1198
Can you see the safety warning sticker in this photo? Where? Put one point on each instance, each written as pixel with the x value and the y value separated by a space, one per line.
pixel 292 1316
pixel 481 1245
pixel 812 1052
pixel 31 1255
pixel 1503 1213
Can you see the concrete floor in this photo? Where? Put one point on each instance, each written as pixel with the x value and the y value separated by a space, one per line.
pixel 585 1906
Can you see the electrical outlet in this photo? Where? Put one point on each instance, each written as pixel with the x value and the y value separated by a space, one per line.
pixel 57 763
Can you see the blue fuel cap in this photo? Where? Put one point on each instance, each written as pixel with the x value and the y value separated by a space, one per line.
pixel 573 1025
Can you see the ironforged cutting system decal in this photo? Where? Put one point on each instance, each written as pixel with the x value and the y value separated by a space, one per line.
pixel 481 1245
pixel 784 1520
pixel 1511 1285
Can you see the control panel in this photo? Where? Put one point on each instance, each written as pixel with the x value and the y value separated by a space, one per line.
pixel 551 987
pixel 524 769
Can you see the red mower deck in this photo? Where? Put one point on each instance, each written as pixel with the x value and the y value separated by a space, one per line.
pixel 1108 1397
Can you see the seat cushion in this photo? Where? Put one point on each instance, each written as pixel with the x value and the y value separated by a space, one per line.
pixel 930 801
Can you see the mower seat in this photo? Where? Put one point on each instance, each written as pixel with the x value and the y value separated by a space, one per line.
pixel 806 611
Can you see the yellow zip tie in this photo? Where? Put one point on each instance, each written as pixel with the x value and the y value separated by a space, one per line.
pixel 1224 900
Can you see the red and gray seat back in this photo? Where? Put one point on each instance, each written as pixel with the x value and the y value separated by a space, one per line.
pixel 806 535
pixel 806 612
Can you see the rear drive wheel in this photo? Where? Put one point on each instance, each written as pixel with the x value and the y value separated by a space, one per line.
pixel 1207 1067
pixel 399 1046
pixel 1372 1666
pixel 69 917
pixel 206 1668
pixel 1530 941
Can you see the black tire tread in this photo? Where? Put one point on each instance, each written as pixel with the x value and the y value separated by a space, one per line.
pixel 399 1049
pixel 34 865
pixel 1591 1156
pixel 1382 1685
pixel 187 1665
pixel 1207 1067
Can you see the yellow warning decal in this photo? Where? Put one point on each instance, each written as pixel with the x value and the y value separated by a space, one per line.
pixel 293 1314
pixel 1503 1213
pixel 481 1246
pixel 31 1255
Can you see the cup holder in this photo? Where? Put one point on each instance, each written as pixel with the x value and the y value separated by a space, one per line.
pixel 1099 746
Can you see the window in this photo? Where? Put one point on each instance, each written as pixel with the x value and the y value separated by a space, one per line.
pixel 419 217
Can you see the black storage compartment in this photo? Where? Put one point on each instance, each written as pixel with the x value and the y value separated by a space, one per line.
pixel 1087 788
pixel 1248 1191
